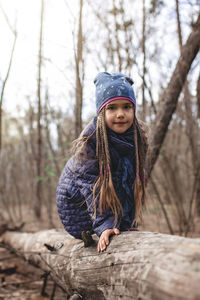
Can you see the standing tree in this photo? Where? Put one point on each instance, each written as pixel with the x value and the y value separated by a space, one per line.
pixel 171 94
pixel 115 12
pixel 38 201
pixel 7 74
pixel 191 122
pixel 144 59
pixel 79 62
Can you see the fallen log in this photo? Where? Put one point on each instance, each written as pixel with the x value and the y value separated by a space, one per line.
pixel 136 265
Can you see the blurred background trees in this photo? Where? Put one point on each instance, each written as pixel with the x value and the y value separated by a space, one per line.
pixel 142 39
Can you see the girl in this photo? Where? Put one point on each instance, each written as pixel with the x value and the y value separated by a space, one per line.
pixel 101 189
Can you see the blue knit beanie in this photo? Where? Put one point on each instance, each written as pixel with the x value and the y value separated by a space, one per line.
pixel 110 87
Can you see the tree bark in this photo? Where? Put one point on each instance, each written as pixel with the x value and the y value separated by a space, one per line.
pixel 136 265
pixel 171 94
pixel 198 97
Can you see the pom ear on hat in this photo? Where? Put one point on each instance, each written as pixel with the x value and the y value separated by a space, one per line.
pixel 110 87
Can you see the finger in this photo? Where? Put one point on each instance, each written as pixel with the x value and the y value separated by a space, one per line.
pixel 107 240
pixel 103 245
pixel 106 235
pixel 116 231
pixel 99 248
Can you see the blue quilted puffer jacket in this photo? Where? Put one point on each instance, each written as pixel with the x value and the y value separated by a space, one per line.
pixel 74 191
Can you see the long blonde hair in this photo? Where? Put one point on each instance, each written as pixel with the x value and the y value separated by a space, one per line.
pixel 103 189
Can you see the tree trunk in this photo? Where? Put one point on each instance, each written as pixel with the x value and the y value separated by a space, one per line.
pixel 136 265
pixel 116 28
pixel 79 76
pixel 144 59
pixel 198 97
pixel 171 94
pixel 179 31
pixel 3 87
pixel 38 202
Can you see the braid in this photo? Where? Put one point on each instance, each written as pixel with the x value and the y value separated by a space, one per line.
pixel 104 185
pixel 140 153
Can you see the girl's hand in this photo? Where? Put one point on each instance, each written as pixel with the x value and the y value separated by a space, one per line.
pixel 104 238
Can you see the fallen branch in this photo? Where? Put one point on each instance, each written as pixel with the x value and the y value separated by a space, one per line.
pixel 136 265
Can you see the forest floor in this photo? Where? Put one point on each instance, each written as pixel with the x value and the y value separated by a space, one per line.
pixel 21 281
pixel 18 279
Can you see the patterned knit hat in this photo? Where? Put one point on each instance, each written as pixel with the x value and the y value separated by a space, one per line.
pixel 111 87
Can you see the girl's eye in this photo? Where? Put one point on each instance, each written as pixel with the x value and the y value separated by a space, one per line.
pixel 128 106
pixel 111 107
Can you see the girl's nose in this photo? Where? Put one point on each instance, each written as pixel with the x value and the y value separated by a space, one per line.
pixel 120 113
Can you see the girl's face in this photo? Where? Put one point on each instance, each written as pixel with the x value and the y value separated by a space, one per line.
pixel 119 115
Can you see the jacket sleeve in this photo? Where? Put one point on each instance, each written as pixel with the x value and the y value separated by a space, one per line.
pixel 103 222
pixel 86 174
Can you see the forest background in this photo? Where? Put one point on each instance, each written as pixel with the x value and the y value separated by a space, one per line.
pixel 50 54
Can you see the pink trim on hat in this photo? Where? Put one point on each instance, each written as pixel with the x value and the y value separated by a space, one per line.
pixel 116 98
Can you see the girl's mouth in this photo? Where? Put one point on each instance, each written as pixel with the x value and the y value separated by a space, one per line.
pixel 120 123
